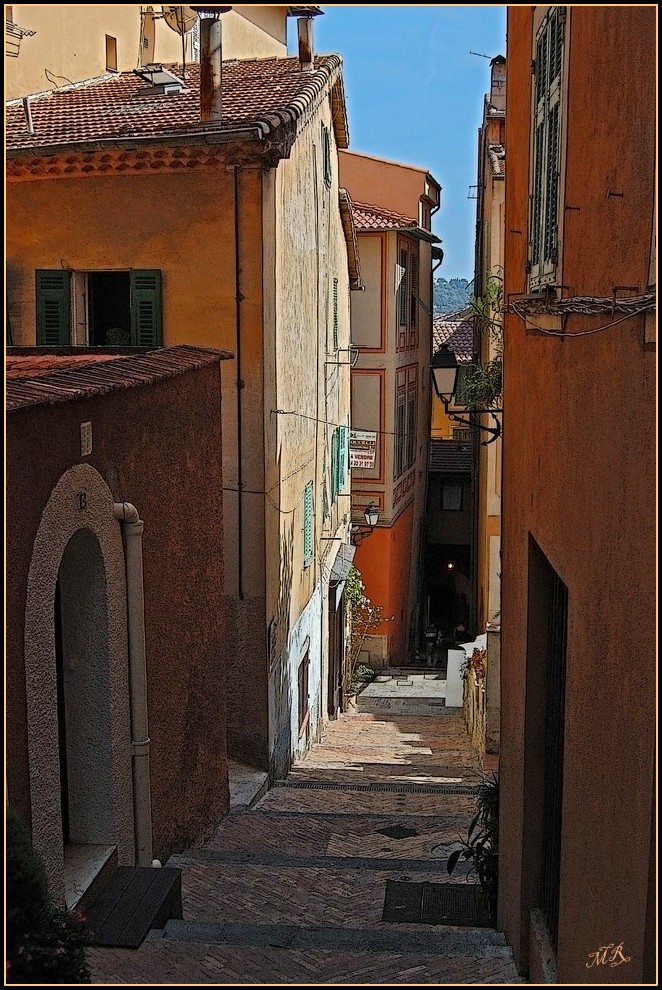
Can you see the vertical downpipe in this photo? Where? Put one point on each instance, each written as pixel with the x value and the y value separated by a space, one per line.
pixel 132 530
pixel 240 385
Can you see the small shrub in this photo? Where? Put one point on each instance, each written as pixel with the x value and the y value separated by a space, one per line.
pixel 481 847
pixel 44 944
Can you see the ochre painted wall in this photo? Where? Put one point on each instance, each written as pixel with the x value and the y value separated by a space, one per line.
pixel 70 44
pixel 142 443
pixel 384 560
pixel 183 225
pixel 391 185
pixel 580 479
pixel 70 41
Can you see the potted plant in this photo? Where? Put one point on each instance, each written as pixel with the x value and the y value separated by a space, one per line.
pixel 481 847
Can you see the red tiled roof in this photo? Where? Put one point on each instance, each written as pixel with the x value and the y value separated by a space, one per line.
pixel 456 330
pixel 376 218
pixel 35 365
pixel 67 381
pixel 258 94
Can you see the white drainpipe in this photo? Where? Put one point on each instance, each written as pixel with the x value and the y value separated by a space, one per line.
pixel 132 530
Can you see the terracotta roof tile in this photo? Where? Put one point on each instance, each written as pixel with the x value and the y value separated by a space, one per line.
pixel 450 456
pixel 67 381
pixel 376 218
pixel 257 93
pixel 456 330
pixel 35 365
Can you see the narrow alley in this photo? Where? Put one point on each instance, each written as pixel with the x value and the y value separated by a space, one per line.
pixel 292 890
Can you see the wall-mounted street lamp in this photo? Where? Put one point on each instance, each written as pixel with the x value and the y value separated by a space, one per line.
pixel 444 376
pixel 357 534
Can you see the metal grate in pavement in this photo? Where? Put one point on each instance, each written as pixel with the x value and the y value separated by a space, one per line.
pixel 460 904
pixel 322 785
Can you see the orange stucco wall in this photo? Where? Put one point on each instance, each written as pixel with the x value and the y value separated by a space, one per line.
pixel 579 477
pixel 384 560
pixel 183 225
pixel 391 185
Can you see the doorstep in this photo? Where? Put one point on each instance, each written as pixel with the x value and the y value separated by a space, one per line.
pixel 247 785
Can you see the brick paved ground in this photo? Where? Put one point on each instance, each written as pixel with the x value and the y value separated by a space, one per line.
pixel 292 891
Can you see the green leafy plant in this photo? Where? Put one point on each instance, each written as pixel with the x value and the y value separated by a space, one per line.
pixel 364 618
pixel 483 386
pixel 44 943
pixel 481 847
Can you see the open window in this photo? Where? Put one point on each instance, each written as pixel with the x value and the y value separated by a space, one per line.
pixel 99 309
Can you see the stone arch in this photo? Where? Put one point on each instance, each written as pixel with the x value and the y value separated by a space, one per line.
pixel 78 516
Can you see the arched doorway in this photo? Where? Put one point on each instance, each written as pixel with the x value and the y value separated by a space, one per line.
pixel 84 710
pixel 77 689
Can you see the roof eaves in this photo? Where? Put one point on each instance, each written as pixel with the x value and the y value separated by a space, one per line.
pixel 351 239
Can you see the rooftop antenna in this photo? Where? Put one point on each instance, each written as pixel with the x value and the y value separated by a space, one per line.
pixel 480 55
pixel 181 20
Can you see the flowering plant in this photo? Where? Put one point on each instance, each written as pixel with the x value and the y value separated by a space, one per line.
pixel 476 662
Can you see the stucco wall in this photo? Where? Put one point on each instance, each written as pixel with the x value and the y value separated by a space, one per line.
pixel 581 481
pixel 309 380
pixel 70 43
pixel 183 225
pixel 391 185
pixel 143 441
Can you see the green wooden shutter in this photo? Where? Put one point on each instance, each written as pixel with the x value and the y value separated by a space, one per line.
pixel 342 458
pixel 334 466
pixel 413 316
pixel 53 307
pixel 146 308
pixel 308 523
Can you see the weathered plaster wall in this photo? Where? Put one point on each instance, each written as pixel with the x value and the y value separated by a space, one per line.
pixel 308 379
pixel 143 444
pixel 583 486
pixel 183 225
pixel 70 43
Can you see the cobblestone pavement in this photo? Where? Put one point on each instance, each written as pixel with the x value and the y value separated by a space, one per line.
pixel 292 891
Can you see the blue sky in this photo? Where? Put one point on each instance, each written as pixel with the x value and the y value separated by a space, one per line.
pixel 415 94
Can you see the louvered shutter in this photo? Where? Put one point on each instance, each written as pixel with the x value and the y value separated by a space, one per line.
pixel 342 457
pixel 146 308
pixel 334 466
pixel 308 523
pixel 413 316
pixel 546 152
pixel 401 277
pixel 53 307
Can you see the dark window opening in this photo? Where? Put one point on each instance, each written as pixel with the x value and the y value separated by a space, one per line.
pixel 111 53
pixel 109 309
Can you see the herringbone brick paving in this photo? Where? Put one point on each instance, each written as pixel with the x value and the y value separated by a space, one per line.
pixel 292 891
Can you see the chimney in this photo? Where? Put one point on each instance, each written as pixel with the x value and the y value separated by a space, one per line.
pixel 27 110
pixel 211 62
pixel 498 83
pixel 306 45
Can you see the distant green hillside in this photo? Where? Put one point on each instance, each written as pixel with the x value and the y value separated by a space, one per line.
pixel 450 296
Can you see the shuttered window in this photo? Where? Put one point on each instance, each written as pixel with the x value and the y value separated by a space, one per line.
pixel 342 457
pixel 308 524
pixel 146 308
pixel 399 436
pixel 326 154
pixel 412 426
pixel 548 67
pixel 334 466
pixel 403 292
pixel 53 307
pixel 142 286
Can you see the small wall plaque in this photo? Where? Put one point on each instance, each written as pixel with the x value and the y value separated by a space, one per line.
pixel 85 439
